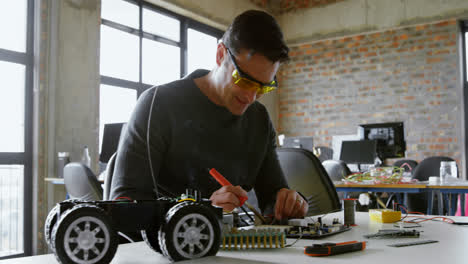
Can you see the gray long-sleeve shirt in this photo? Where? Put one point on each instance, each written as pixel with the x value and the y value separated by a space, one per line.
pixel 189 134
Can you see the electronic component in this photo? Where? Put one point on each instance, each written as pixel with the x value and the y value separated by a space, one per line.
pixel 253 238
pixel 309 229
pixel 413 243
pixel 394 233
pixel 328 249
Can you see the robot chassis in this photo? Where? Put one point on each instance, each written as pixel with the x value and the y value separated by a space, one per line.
pixel 88 232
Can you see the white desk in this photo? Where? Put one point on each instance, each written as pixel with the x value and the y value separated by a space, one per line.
pixel 451 249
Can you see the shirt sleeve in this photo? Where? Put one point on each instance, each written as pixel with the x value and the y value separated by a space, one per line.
pixel 132 173
pixel 271 178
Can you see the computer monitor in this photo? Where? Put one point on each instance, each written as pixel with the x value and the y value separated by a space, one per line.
pixel 110 141
pixel 359 152
pixel 390 138
pixel 299 142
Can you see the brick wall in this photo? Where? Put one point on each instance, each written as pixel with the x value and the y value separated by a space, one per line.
pixel 406 74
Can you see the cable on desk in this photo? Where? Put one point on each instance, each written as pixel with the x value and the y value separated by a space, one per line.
pixel 300 236
pixel 420 219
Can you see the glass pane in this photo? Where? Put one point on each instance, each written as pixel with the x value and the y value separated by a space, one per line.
pixel 116 106
pixel 161 25
pixel 12 77
pixel 13 25
pixel 201 50
pixel 120 11
pixel 119 54
pixel 11 210
pixel 466 55
pixel 161 62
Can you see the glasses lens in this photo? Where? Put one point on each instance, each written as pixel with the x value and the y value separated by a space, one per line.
pixel 247 84
pixel 250 85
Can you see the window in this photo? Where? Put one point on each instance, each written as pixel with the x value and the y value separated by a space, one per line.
pixel 16 62
pixel 144 45
pixel 464 52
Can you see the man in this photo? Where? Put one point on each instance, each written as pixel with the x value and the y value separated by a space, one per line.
pixel 212 120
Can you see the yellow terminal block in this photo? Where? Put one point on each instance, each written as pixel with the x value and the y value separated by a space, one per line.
pixel 384 215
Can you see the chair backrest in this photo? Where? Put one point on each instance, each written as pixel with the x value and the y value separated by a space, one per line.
pixel 305 173
pixel 81 183
pixel 336 169
pixel 417 202
pixel 407 164
pixel 108 176
pixel 429 167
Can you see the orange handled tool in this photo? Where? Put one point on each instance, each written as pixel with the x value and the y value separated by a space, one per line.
pixel 225 182
pixel 328 249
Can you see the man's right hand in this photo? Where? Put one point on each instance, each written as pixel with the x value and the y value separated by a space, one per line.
pixel 227 197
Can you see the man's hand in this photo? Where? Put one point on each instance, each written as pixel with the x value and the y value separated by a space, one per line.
pixel 290 204
pixel 228 197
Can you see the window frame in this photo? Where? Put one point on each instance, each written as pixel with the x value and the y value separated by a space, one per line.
pixel 185 24
pixel 24 158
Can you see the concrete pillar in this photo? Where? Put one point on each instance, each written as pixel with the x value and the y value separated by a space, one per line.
pixel 66 94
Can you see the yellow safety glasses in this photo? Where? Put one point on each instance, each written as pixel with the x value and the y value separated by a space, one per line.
pixel 247 82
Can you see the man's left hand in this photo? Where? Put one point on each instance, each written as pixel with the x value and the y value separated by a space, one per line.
pixel 290 204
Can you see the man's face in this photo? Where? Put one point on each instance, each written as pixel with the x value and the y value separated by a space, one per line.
pixel 235 98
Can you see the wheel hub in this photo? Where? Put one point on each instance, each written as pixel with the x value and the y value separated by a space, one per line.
pixel 192 235
pixel 86 240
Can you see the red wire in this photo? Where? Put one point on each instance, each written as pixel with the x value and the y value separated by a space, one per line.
pixel 123 197
pixel 407 165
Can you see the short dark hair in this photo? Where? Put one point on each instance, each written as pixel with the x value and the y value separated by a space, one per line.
pixel 258 32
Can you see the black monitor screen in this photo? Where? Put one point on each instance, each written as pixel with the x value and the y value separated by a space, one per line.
pixel 359 152
pixel 390 138
pixel 110 141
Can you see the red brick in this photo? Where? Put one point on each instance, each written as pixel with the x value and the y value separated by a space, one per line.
pixel 352 45
pixel 421 27
pixel 441 37
pixel 445 23
pixel 357 38
pixel 433 60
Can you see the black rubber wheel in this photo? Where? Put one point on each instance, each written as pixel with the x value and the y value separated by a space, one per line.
pixel 151 239
pixel 84 235
pixel 190 231
pixel 50 222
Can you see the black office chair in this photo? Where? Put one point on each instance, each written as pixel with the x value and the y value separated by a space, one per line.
pixel 108 176
pixel 305 173
pixel 337 170
pixel 408 164
pixel 428 167
pixel 81 183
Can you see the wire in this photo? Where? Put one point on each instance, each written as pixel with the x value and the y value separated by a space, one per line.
pixel 407 165
pixel 126 237
pixel 419 219
pixel 300 236
pixel 123 197
pixel 248 215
